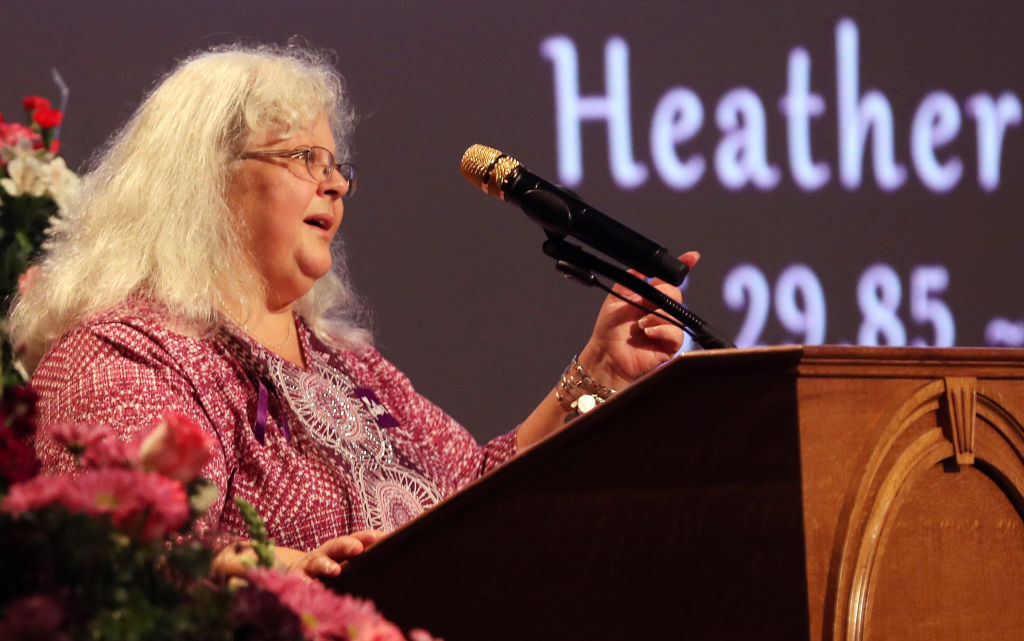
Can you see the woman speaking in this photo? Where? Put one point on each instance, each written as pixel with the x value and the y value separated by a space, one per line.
pixel 196 274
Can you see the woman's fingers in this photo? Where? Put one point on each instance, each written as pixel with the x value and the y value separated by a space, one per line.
pixel 321 565
pixel 330 558
pixel 342 548
pixel 658 329
pixel 326 560
pixel 690 258
pixel 368 537
pixel 669 290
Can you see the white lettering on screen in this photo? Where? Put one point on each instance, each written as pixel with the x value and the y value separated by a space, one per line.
pixel 936 123
pixel 859 115
pixel 677 118
pixel 800 105
pixel 742 158
pixel 612 107
pixel 993 117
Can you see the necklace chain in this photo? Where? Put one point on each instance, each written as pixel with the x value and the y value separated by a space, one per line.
pixel 273 348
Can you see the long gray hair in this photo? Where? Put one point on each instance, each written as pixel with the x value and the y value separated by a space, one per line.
pixel 152 220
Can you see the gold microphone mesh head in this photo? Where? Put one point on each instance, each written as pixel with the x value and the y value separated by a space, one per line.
pixel 487 168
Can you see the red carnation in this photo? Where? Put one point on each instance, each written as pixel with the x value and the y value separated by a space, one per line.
pixel 38 616
pixel 47 118
pixel 11 132
pixel 18 409
pixel 17 460
pixel 32 103
pixel 27 279
pixel 177 447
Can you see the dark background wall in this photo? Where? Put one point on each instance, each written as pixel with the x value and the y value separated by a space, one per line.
pixel 464 300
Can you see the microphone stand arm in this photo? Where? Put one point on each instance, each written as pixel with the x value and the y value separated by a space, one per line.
pixel 586 265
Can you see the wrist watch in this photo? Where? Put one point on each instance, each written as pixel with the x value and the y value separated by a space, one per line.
pixel 578 392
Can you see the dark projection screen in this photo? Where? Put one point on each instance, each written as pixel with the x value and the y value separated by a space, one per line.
pixel 850 172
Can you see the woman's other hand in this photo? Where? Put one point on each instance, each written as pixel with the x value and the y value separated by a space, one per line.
pixel 325 561
pixel 328 559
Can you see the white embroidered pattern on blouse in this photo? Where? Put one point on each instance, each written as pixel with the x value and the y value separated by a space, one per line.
pixel 323 398
pixel 392 495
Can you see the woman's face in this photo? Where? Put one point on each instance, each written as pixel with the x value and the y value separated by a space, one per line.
pixel 290 217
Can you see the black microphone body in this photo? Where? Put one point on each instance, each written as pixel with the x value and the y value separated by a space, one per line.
pixel 562 213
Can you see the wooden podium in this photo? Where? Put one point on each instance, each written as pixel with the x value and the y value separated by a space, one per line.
pixel 821 493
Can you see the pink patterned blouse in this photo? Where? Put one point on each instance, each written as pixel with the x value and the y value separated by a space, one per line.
pixel 346 444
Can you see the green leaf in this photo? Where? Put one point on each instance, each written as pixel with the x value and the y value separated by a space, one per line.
pixel 253 523
pixel 258 531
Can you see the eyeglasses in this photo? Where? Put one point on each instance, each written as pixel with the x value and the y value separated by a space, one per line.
pixel 320 164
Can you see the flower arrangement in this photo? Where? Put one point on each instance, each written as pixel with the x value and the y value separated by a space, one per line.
pixel 35 184
pixel 116 551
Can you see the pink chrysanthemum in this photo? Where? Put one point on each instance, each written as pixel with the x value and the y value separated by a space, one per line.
pixel 146 505
pixel 326 616
pixel 149 504
pixel 40 492
pixel 95 446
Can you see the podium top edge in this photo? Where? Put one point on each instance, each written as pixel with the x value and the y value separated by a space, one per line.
pixel 809 359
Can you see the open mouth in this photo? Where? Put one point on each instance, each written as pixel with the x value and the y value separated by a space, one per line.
pixel 321 222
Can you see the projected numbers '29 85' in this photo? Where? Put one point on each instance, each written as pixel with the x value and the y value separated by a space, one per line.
pixel 800 307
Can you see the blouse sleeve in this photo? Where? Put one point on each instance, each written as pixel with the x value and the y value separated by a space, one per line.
pixel 451 455
pixel 120 375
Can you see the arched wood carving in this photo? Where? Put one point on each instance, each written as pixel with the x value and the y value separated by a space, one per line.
pixel 961 404
pixel 948 423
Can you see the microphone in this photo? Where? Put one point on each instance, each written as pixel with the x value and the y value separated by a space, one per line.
pixel 561 213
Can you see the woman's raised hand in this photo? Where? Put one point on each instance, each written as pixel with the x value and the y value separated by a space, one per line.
pixel 627 343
